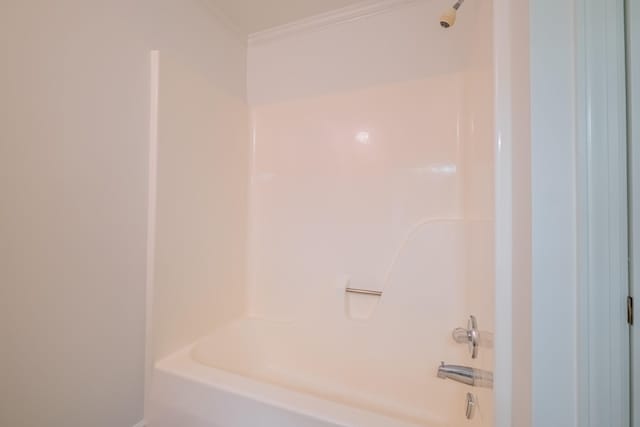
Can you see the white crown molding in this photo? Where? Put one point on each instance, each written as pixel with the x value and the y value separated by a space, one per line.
pixel 339 16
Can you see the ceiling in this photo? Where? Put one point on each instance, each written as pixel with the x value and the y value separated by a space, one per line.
pixel 251 16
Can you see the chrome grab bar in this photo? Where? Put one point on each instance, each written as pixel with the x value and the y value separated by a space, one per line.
pixel 363 292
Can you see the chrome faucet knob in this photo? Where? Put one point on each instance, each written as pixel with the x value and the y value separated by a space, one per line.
pixel 470 336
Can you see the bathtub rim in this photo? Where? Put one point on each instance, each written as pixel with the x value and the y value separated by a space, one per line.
pixel 181 364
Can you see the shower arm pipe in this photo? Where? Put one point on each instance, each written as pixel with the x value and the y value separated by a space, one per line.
pixel 458 4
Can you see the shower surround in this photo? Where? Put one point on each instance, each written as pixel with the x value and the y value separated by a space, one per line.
pixel 370 165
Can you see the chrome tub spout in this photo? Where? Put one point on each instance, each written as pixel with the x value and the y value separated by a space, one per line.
pixel 466 375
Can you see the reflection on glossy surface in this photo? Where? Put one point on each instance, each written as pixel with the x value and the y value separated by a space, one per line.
pixel 363 137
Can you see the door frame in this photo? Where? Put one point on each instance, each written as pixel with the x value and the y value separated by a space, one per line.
pixel 602 215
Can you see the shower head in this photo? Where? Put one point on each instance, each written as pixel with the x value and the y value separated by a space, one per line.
pixel 448 19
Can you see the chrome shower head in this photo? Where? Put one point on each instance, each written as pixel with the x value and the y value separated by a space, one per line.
pixel 448 19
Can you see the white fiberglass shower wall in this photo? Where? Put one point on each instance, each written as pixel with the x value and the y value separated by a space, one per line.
pixel 373 169
pixel 371 165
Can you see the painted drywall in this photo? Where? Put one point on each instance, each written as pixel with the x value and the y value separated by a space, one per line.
pixel 364 132
pixel 74 79
pixel 553 155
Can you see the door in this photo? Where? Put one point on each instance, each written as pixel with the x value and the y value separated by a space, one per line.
pixel 633 108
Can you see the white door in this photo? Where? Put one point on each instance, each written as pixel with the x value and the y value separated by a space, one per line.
pixel 633 95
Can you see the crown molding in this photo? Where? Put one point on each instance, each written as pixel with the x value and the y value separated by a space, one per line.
pixel 324 20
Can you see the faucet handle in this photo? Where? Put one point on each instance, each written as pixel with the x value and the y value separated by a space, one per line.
pixel 470 336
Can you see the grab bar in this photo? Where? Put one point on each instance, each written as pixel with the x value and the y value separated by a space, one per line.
pixel 363 292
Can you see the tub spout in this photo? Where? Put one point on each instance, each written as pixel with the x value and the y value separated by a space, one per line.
pixel 466 375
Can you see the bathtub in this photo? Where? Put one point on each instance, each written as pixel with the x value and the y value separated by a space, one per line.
pixel 255 372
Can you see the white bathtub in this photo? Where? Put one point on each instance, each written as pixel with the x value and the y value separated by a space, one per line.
pixel 320 367
pixel 254 373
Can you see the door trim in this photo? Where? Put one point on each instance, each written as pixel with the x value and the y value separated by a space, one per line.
pixel 603 281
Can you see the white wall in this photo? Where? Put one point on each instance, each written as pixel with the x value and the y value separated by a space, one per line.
pixel 513 214
pixel 554 288
pixel 74 79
